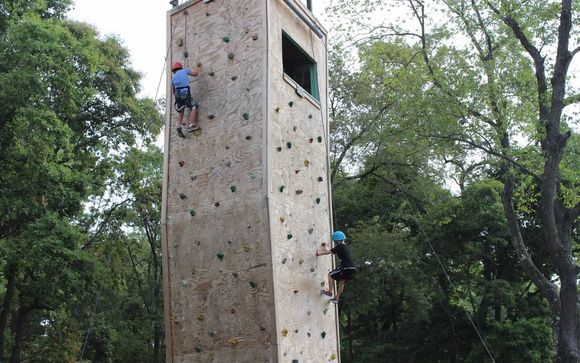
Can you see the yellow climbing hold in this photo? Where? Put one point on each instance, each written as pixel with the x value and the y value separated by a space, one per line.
pixel 197 132
pixel 200 317
pixel 284 332
pixel 332 356
pixel 306 163
pixel 282 219
pixel 233 342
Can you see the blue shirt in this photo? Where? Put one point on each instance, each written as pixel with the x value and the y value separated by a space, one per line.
pixel 181 78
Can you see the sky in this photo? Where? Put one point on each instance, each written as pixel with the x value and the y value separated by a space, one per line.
pixel 141 26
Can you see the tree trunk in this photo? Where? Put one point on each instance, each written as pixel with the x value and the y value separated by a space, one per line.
pixel 19 334
pixel 8 296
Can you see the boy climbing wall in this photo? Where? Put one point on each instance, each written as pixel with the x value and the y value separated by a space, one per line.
pixel 344 272
pixel 182 94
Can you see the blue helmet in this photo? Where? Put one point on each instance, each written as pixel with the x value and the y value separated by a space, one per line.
pixel 338 236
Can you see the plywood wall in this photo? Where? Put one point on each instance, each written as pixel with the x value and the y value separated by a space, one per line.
pixel 237 288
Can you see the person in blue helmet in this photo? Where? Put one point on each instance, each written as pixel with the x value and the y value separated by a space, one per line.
pixel 345 272
pixel 183 99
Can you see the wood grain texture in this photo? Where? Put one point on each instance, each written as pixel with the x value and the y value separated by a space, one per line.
pixel 239 288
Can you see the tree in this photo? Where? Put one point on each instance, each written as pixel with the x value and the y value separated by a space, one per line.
pixel 501 69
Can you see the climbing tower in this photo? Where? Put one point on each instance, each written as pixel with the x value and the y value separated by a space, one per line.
pixel 246 200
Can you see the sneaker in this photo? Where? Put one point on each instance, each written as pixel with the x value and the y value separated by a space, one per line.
pixel 180 132
pixel 326 292
pixel 334 301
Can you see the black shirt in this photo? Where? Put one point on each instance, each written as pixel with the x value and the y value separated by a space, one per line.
pixel 343 252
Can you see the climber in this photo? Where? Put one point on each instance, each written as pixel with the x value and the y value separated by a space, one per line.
pixel 344 272
pixel 182 94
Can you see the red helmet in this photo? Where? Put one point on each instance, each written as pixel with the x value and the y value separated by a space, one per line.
pixel 176 66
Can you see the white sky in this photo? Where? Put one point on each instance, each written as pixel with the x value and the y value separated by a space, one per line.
pixel 141 26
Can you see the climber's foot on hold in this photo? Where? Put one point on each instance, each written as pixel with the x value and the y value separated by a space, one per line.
pixel 180 132
pixel 334 301
pixel 192 128
pixel 326 292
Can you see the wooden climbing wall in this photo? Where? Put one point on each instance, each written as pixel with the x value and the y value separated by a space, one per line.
pixel 246 200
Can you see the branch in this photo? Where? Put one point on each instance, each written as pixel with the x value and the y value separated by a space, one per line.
pixel 572 100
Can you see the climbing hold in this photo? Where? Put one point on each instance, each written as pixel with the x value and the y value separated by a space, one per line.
pixel 228 163
pixel 234 78
pixel 229 242
pixel 198 349
pixel 197 132
pixel 323 334
pixel 312 269
pixel 247 249
pixel 289 236
pixel 282 187
pixel 207 14
pixel 233 311
pixel 301 261
pixel 230 55
pixel 294 360
pixel 227 147
pixel 277 109
pixel 299 191
pixel 200 317
pixel 284 260
pixel 211 334
pixel 306 163
pixel 233 342
pixel 198 64
pixel 309 313
pixel 220 255
pixel 226 39
pixel 180 43
pixel 252 284
pixel 295 330
pixel 252 174
pixel 254 36
pixel 282 219
pixel 233 188
pixel 246 115
pixel 319 138
pixel 310 116
pixel 308 334
pixel 317 200
pixel 295 128
pixel 263 328
pixel 322 283
pixel 235 274
pixel 296 291
pixel 311 140
pixel 211 73
pixel 310 230
pixel 279 148
pixel 332 356
pixel 291 103
pixel 216 204
pixel 193 177
pixel 320 179
pixel 284 332
pixel 182 196
pixel 181 163
pixel 192 212
pixel 289 145
pixel 211 116
pixel 325 311
pixel 297 171
pixel 249 137
pixel 185 54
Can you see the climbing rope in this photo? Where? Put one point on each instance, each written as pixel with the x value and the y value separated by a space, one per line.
pixel 426 238
pixel 164 63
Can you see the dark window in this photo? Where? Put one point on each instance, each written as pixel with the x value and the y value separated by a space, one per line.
pixel 299 66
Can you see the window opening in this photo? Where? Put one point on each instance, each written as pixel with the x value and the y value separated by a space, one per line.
pixel 299 66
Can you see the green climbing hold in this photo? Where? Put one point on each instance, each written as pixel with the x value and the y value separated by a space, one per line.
pixel 252 284
pixel 252 174
pixel 182 196
pixel 289 145
pixel 319 138
pixel 317 200
pixel 282 187
pixel 192 212
pixel 220 255
pixel 233 188
pixel 198 349
pixel 294 360
pixel 246 115
pixel 323 334
pixel 289 236
pixel 279 148
pixel 299 191
pixel 226 39
pixel 291 103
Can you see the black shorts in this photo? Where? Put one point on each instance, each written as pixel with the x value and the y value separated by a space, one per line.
pixel 183 99
pixel 343 273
